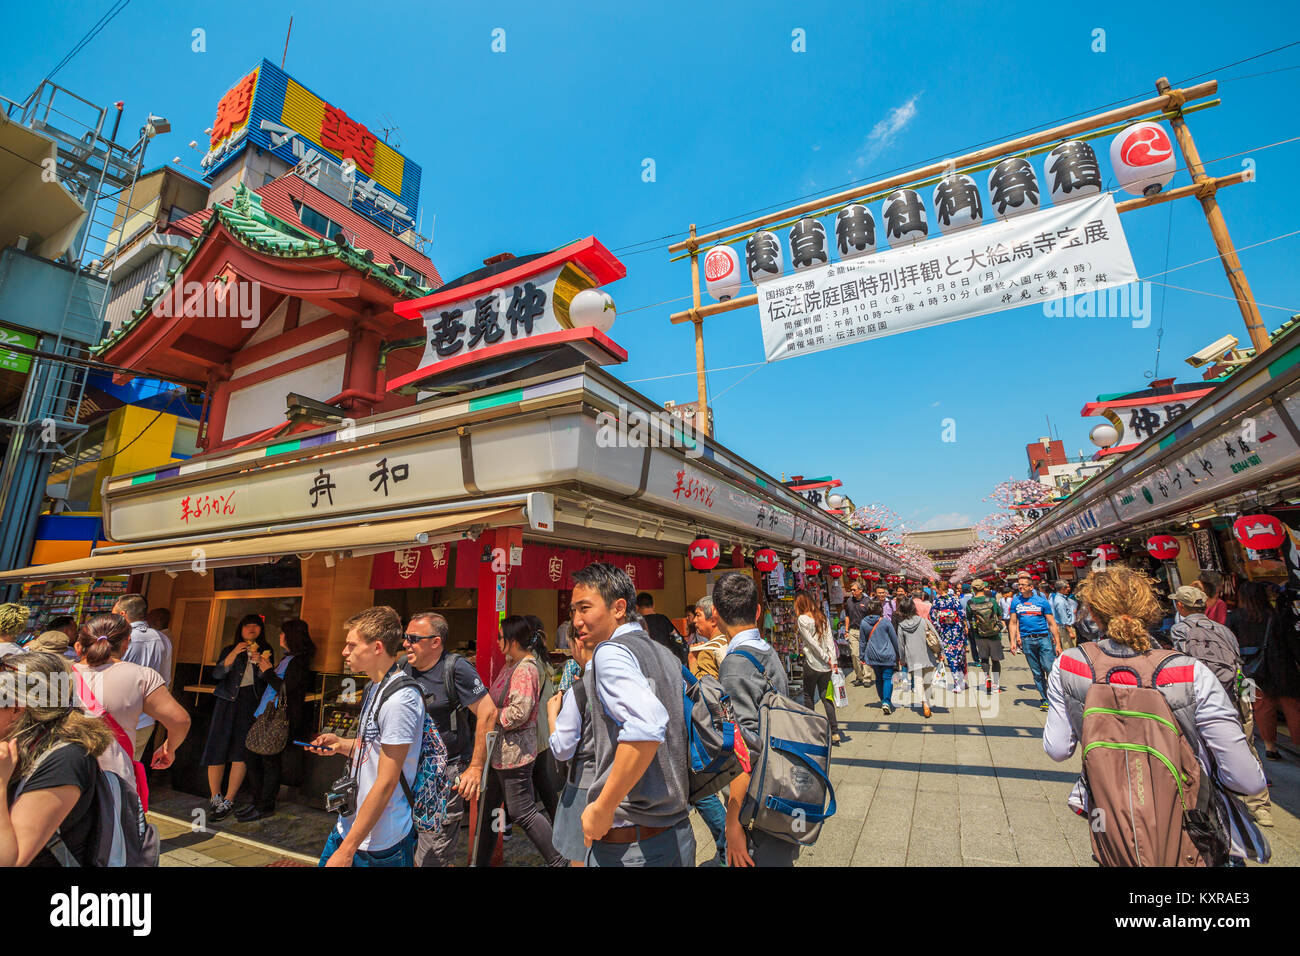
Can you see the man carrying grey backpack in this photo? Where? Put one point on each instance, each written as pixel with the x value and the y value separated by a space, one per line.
pixel 735 603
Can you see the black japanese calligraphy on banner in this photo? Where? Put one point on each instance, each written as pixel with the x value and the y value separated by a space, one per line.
pixel 1054 253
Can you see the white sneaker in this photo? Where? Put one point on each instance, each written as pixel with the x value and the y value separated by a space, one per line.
pixel 1263 816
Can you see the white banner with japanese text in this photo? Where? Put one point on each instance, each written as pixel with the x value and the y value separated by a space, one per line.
pixel 1066 250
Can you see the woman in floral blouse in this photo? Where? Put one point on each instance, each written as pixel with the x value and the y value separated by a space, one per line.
pixel 515 692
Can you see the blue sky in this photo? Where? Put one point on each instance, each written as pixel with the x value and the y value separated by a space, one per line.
pixel 528 149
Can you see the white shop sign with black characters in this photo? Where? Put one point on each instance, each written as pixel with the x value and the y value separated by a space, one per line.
pixel 1071 249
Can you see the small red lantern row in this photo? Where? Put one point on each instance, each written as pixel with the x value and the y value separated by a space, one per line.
pixel 1163 547
pixel 1259 532
pixel 765 560
pixel 704 554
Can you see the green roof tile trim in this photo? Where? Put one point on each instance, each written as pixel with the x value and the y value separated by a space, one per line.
pixel 282 448
pixel 493 401
pixel 253 226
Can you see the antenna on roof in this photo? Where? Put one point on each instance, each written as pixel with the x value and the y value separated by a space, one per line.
pixel 392 132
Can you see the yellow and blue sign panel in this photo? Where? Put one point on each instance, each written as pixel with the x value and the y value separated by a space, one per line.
pixel 270 109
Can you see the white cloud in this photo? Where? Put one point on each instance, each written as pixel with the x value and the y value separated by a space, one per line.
pixel 934 404
pixel 883 134
pixel 942 522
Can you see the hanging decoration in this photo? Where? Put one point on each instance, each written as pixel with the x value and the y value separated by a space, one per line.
pixel 704 554
pixel 765 560
pixel 1163 547
pixel 1259 532
pixel 722 272
pixel 1142 156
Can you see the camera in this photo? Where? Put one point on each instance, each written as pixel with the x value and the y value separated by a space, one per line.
pixel 342 796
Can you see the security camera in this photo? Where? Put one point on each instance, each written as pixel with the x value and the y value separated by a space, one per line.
pixel 1212 352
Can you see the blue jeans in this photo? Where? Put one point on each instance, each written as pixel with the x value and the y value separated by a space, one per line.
pixel 714 815
pixel 884 683
pixel 674 847
pixel 401 853
pixel 1040 654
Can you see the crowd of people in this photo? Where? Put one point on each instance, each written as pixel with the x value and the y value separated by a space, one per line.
pixel 591 763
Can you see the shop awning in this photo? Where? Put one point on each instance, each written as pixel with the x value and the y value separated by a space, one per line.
pixel 351 539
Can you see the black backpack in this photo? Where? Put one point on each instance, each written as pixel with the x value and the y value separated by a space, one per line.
pixel 985 617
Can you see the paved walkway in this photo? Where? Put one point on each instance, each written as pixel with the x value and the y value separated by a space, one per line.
pixel 184 846
pixel 971 786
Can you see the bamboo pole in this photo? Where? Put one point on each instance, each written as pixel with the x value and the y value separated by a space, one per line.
pixel 1167 100
pixel 1206 183
pixel 1219 230
pixel 701 381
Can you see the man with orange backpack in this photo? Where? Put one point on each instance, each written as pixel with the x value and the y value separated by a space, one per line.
pixel 1165 761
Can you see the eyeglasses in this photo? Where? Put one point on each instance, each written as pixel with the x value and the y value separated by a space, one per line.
pixel 416 638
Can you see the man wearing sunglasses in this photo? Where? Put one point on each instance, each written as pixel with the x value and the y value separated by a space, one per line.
pixel 452 691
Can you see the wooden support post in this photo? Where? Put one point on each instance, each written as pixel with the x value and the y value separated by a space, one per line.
pixel 1219 229
pixel 701 382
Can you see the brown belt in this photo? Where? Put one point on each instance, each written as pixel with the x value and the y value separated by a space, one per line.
pixel 632 834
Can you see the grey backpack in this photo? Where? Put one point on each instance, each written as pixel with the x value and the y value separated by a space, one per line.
pixel 789 785
pixel 1213 645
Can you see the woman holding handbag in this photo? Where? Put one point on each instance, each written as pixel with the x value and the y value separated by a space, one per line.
pixel 919 649
pixel 278 717
pixel 818 649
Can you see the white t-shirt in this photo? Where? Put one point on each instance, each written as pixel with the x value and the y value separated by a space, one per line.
pixel 400 721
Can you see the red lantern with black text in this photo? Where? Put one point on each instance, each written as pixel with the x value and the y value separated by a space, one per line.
pixel 1078 558
pixel 1259 532
pixel 765 560
pixel 835 571
pixel 704 554
pixel 1162 547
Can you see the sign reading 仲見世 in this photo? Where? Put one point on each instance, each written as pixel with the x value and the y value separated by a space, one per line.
pixel 1064 250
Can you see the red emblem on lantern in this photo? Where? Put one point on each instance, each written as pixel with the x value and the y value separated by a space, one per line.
pixel 1163 547
pixel 811 567
pixel 765 560
pixel 854 574
pixel 704 554
pixel 1259 532
pixel 835 571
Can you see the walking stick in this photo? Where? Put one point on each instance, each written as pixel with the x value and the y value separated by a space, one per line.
pixel 481 810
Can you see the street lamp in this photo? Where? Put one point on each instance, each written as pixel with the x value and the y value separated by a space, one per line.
pixel 1104 435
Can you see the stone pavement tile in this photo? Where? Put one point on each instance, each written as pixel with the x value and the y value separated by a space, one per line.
pixel 934 808
pixel 940 779
pixel 986 835
pixel 185 856
pixel 934 846
pixel 1039 850
pixel 224 851
pixel 167 860
pixel 873 852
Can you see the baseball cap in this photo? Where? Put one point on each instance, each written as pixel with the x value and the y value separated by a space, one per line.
pixel 1190 596
pixel 978 584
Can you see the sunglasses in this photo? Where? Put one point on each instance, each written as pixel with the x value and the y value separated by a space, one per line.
pixel 416 638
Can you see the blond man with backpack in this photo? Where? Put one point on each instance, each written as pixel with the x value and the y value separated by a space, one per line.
pixel 1165 762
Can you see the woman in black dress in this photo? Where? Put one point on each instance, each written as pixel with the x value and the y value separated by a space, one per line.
pixel 291 678
pixel 236 698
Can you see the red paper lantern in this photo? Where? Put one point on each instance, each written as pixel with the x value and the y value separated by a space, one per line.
pixel 766 560
pixel 1163 547
pixel 811 567
pixel 854 574
pixel 1078 558
pixel 704 554
pixel 1108 551
pixel 835 571
pixel 1259 532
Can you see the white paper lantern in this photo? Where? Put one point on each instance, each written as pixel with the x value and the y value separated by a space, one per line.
pixel 957 204
pixel 722 272
pixel 1072 171
pixel 763 256
pixel 1013 188
pixel 1142 156
pixel 855 231
pixel 1104 435
pixel 808 244
pixel 594 308
pixel 904 216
